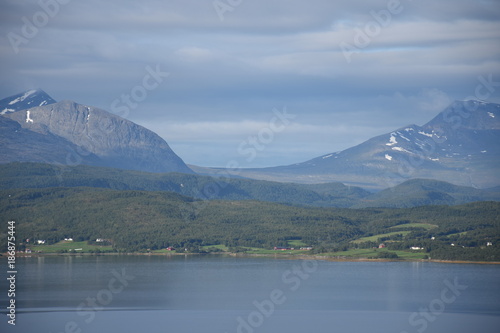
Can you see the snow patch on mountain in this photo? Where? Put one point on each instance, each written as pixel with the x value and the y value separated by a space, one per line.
pixel 392 140
pixel 23 97
pixel 426 134
pixel 7 110
pixel 403 137
pixel 24 101
pixel 401 150
pixel 28 119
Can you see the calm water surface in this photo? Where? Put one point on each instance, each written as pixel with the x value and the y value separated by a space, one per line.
pixel 246 295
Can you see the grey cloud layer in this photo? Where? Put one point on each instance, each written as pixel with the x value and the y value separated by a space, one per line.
pixel 264 54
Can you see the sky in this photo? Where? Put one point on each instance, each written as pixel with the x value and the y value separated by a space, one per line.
pixel 290 79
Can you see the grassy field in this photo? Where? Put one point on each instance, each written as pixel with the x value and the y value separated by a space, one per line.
pixel 375 238
pixel 256 250
pixel 296 243
pixel 457 234
pixel 352 253
pixel 425 226
pixel 83 247
pixel 69 247
pixel 220 247
pixel 208 248
pixel 374 253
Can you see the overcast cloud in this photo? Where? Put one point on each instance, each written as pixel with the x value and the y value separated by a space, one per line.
pixel 228 69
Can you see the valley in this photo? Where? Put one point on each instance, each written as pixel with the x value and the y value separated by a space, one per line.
pixel 71 171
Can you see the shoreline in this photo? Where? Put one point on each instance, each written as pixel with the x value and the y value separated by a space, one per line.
pixel 275 256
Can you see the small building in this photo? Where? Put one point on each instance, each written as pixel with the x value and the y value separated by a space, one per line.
pixel 99 240
pixel 170 248
pixel 68 239
pixel 381 246
pixel 40 242
pixel 489 244
pixel 416 248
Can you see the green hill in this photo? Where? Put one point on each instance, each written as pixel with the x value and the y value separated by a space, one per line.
pixel 412 193
pixel 141 220
pixel 422 192
pixel 34 175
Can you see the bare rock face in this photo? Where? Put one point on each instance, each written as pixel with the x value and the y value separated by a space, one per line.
pixel 114 141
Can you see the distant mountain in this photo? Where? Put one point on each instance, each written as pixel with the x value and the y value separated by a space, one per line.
pixel 34 175
pixel 412 193
pixel 22 145
pixel 25 100
pixel 68 133
pixel 422 192
pixel 459 146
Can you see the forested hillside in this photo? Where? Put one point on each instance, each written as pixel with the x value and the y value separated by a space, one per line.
pixel 141 220
pixel 417 192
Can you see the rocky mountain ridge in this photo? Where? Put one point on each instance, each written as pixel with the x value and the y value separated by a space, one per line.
pixel 69 133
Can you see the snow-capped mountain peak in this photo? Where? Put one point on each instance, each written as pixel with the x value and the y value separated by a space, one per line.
pixel 25 100
pixel 460 146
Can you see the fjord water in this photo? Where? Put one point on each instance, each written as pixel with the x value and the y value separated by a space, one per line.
pixel 226 294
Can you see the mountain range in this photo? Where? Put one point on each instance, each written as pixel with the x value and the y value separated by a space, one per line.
pixel 458 146
pixel 412 193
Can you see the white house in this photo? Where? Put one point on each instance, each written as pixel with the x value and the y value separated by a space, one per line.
pixel 40 242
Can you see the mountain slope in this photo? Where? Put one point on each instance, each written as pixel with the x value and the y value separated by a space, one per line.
pixel 21 144
pixel 422 192
pixel 116 142
pixel 459 146
pixel 34 175
pixel 25 100
pixel 409 194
